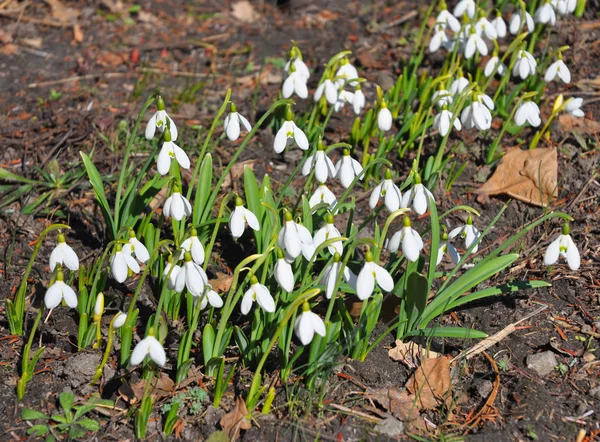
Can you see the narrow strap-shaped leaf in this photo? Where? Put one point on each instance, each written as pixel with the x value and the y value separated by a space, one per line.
pixel 96 182
pixel 448 332
pixel 504 289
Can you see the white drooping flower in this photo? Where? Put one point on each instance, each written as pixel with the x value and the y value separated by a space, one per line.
pixel 438 40
pixel 122 261
pixel 59 291
pixel 171 274
pixel 465 6
pixel 299 65
pixel 418 196
pixel 259 293
pixel 389 191
pixel 442 97
pixel 307 324
pixel 159 121
pixel 331 273
pixel 63 254
pixel 343 98
pixel 295 239
pixel 490 67
pixel 320 162
pixel 289 133
pixel 347 168
pixel 560 69
pixel 191 276
pixel 294 83
pixel 168 151
pixel 459 85
pixel 485 27
pixel 232 123
pixel 475 44
pixel 409 238
pixel 239 217
pixel 99 307
pixel 564 7
pixel 177 206
pixel 445 19
pixel 477 114
pixel 326 233
pixel 322 195
pixel 468 232
pixel 139 249
pixel 573 107
pixel 384 118
pixel 346 73
pixel 330 89
pixel 194 246
pixel 211 298
pixel 528 112
pixel 563 246
pixel 500 26
pixel 284 275
pixel 545 14
pixel 514 25
pixel 447 247
pixel 443 122
pixel 359 100
pixel 370 275
pixel 119 320
pixel 149 346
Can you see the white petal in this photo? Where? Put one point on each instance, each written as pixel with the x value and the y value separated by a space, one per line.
pixel 552 252
pixel 394 243
pixel 245 122
pixel 375 195
pixel 300 88
pixel 233 129
pixel 163 163
pixel 365 283
pixel 181 157
pixel 54 295
pixel 251 220
pixel 236 222
pixel 118 267
pixel 392 197
pixel 303 329
pixel 300 138
pixel 420 201
pixel 317 324
pixel 551 72
pixel 410 247
pixel 70 258
pixel 173 129
pixel 132 263
pixel 288 87
pixel 247 302
pixel 141 252
pixel 56 257
pixel 280 139
pixel 197 251
pixel 140 351
pixel 157 352
pixel 284 275
pixel 69 296
pixel 264 298
pixel 573 258
pixel 384 279
pixel 151 127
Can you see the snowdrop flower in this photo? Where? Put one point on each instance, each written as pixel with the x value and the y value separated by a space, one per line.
pixel 573 107
pixel 459 85
pixel 322 195
pixel 499 25
pixel 514 25
pixel 384 118
pixel 418 195
pixel 177 206
pixel 525 65
pixel 445 19
pixel 284 275
pixel 370 274
pixel 359 100
pixel 545 14
pixel 119 320
pixel 259 293
pixel 294 239
pixel 565 7
pixel 171 274
pixel 63 254
pixel 529 112
pixel 99 307
pixel 347 168
pixel 168 151
pixel 560 69
pixel 343 98
pixel 239 217
pixel 477 113
pixel 439 39
pixel 121 262
pixel 442 97
pixel 194 246
pixel 210 297
pixel 468 232
pixel 59 291
pixel 299 65
pixel 326 233
pixel 159 120
pixel 294 83
pixel 289 133
pixel 485 27
pixel 475 43
pixel 411 241
pixel 345 73
pixel 465 6
pixel 490 66
pixel 443 122
pixel 446 247
pixel 331 273
pixel 149 346
pixel 330 89
pixel 232 122
pixel 563 246
pixel 140 250
pixel 320 162
pixel 388 190
pixel 191 276
pixel 307 324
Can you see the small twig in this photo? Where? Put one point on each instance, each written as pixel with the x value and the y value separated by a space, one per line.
pixel 403 19
pixel 355 413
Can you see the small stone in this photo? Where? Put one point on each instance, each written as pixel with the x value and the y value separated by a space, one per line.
pixel 542 363
pixel 597 325
pixel 589 357
pixel 595 392
pixel 484 387
pixel 390 426
pixel 586 328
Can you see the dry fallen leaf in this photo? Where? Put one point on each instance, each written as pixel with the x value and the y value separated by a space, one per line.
pixel 397 402
pixel 236 420
pixel 431 383
pixel 527 175
pixel 236 172
pixel 160 387
pixel 77 33
pixel 582 125
pixel 244 12
pixel 63 13
pixel 35 43
pixel 410 353
pixel 222 283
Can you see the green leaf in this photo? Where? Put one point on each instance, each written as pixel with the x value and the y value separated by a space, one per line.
pixel 7 175
pixel 171 418
pixel 504 289
pixel 75 432
pixel 96 182
pixel 208 342
pixel 29 414
pixel 448 332
pixel 66 400
pixel 89 424
pixel 253 200
pixel 38 430
pixel 60 419
pixel 83 409
pixel 203 190
pixel 416 298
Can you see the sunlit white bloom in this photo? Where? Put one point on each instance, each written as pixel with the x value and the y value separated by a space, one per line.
pixel 194 246
pixel 443 121
pixel 331 273
pixel 149 346
pixel 159 121
pixel 122 261
pixel 259 293
pixel 168 151
pixel 560 69
pixel 300 67
pixel 486 28
pixel 442 98
pixel 491 66
pixel 59 291
pixel 459 85
pixel 330 89
pixel 359 100
pixel 139 249
pixel 468 232
pixel 289 133
pixel 343 98
pixel 446 247
pixel 477 114
pixel 565 7
pixel 99 307
pixel 347 168
pixel 500 26
pixel 191 276
pixel 419 196
pixel 439 39
pixel 211 298
pixel 322 195
pixel 345 73
pixel 232 122
pixel 326 233
pixel 475 43
pixel 307 324
pixel 63 254
pixel 573 107
pixel 119 320
pixel 563 246
pixel 545 14
pixel 284 275
pixel 177 206
pixel 239 217
pixel 529 112
pixel 371 274
pixel 465 6
pixel 294 239
pixel 389 191
pixel 172 274
pixel 514 24
pixel 384 118
pixel 411 241
pixel 322 165
pixel 444 18
pixel 294 83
